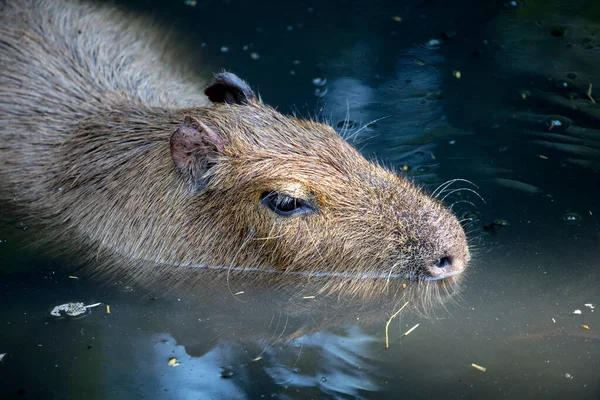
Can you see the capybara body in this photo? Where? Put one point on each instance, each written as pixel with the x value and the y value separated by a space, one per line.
pixel 110 145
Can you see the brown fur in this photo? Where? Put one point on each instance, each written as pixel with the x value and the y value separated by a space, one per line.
pixel 90 99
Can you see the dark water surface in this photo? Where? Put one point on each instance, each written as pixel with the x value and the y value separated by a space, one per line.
pixel 495 92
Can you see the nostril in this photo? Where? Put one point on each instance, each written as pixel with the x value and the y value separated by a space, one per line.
pixel 444 262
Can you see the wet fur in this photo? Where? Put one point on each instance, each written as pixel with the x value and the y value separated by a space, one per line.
pixel 91 96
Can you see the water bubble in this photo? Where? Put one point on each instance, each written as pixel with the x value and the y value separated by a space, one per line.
pixel 565 85
pixel 572 218
pixel 514 4
pixel 557 123
pixel 323 379
pixel 226 373
pixel 471 216
pixel 432 44
pixel 423 170
pixel 319 81
pixel 319 92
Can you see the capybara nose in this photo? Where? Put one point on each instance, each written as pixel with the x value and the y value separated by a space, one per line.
pixel 444 267
pixel 444 262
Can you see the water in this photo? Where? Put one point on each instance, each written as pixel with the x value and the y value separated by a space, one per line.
pixel 522 65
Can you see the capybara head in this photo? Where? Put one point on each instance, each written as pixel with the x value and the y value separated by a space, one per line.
pixel 289 196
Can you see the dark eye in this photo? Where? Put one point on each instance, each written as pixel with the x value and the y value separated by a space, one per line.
pixel 285 205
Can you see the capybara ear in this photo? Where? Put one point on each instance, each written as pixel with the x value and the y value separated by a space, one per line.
pixel 194 148
pixel 228 88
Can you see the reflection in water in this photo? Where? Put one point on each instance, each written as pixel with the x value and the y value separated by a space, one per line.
pixel 521 122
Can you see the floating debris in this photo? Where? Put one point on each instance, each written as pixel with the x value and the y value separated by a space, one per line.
pixel 585 327
pixel 319 81
pixel 254 55
pixel 457 74
pixel 479 367
pixel 410 330
pixel 396 18
pixel 553 320
pixel 173 362
pixel 387 325
pixel 543 157
pixel 589 94
pixel 191 3
pixel 72 309
pixel 576 312
pixel 73 277
pixel 224 49
pixel 590 306
pixel 257 359
pixel 107 309
pixel 308 297
pixel 240 292
pixel 2 355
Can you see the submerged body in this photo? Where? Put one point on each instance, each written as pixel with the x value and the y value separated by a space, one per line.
pixel 114 149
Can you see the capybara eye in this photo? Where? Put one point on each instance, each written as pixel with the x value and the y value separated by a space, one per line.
pixel 284 205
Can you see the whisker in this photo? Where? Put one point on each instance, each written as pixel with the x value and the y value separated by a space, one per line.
pixel 365 125
pixel 467 189
pixel 287 317
pixel 445 185
pixel 232 264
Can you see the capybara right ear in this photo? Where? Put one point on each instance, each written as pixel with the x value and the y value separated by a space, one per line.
pixel 194 148
pixel 229 88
